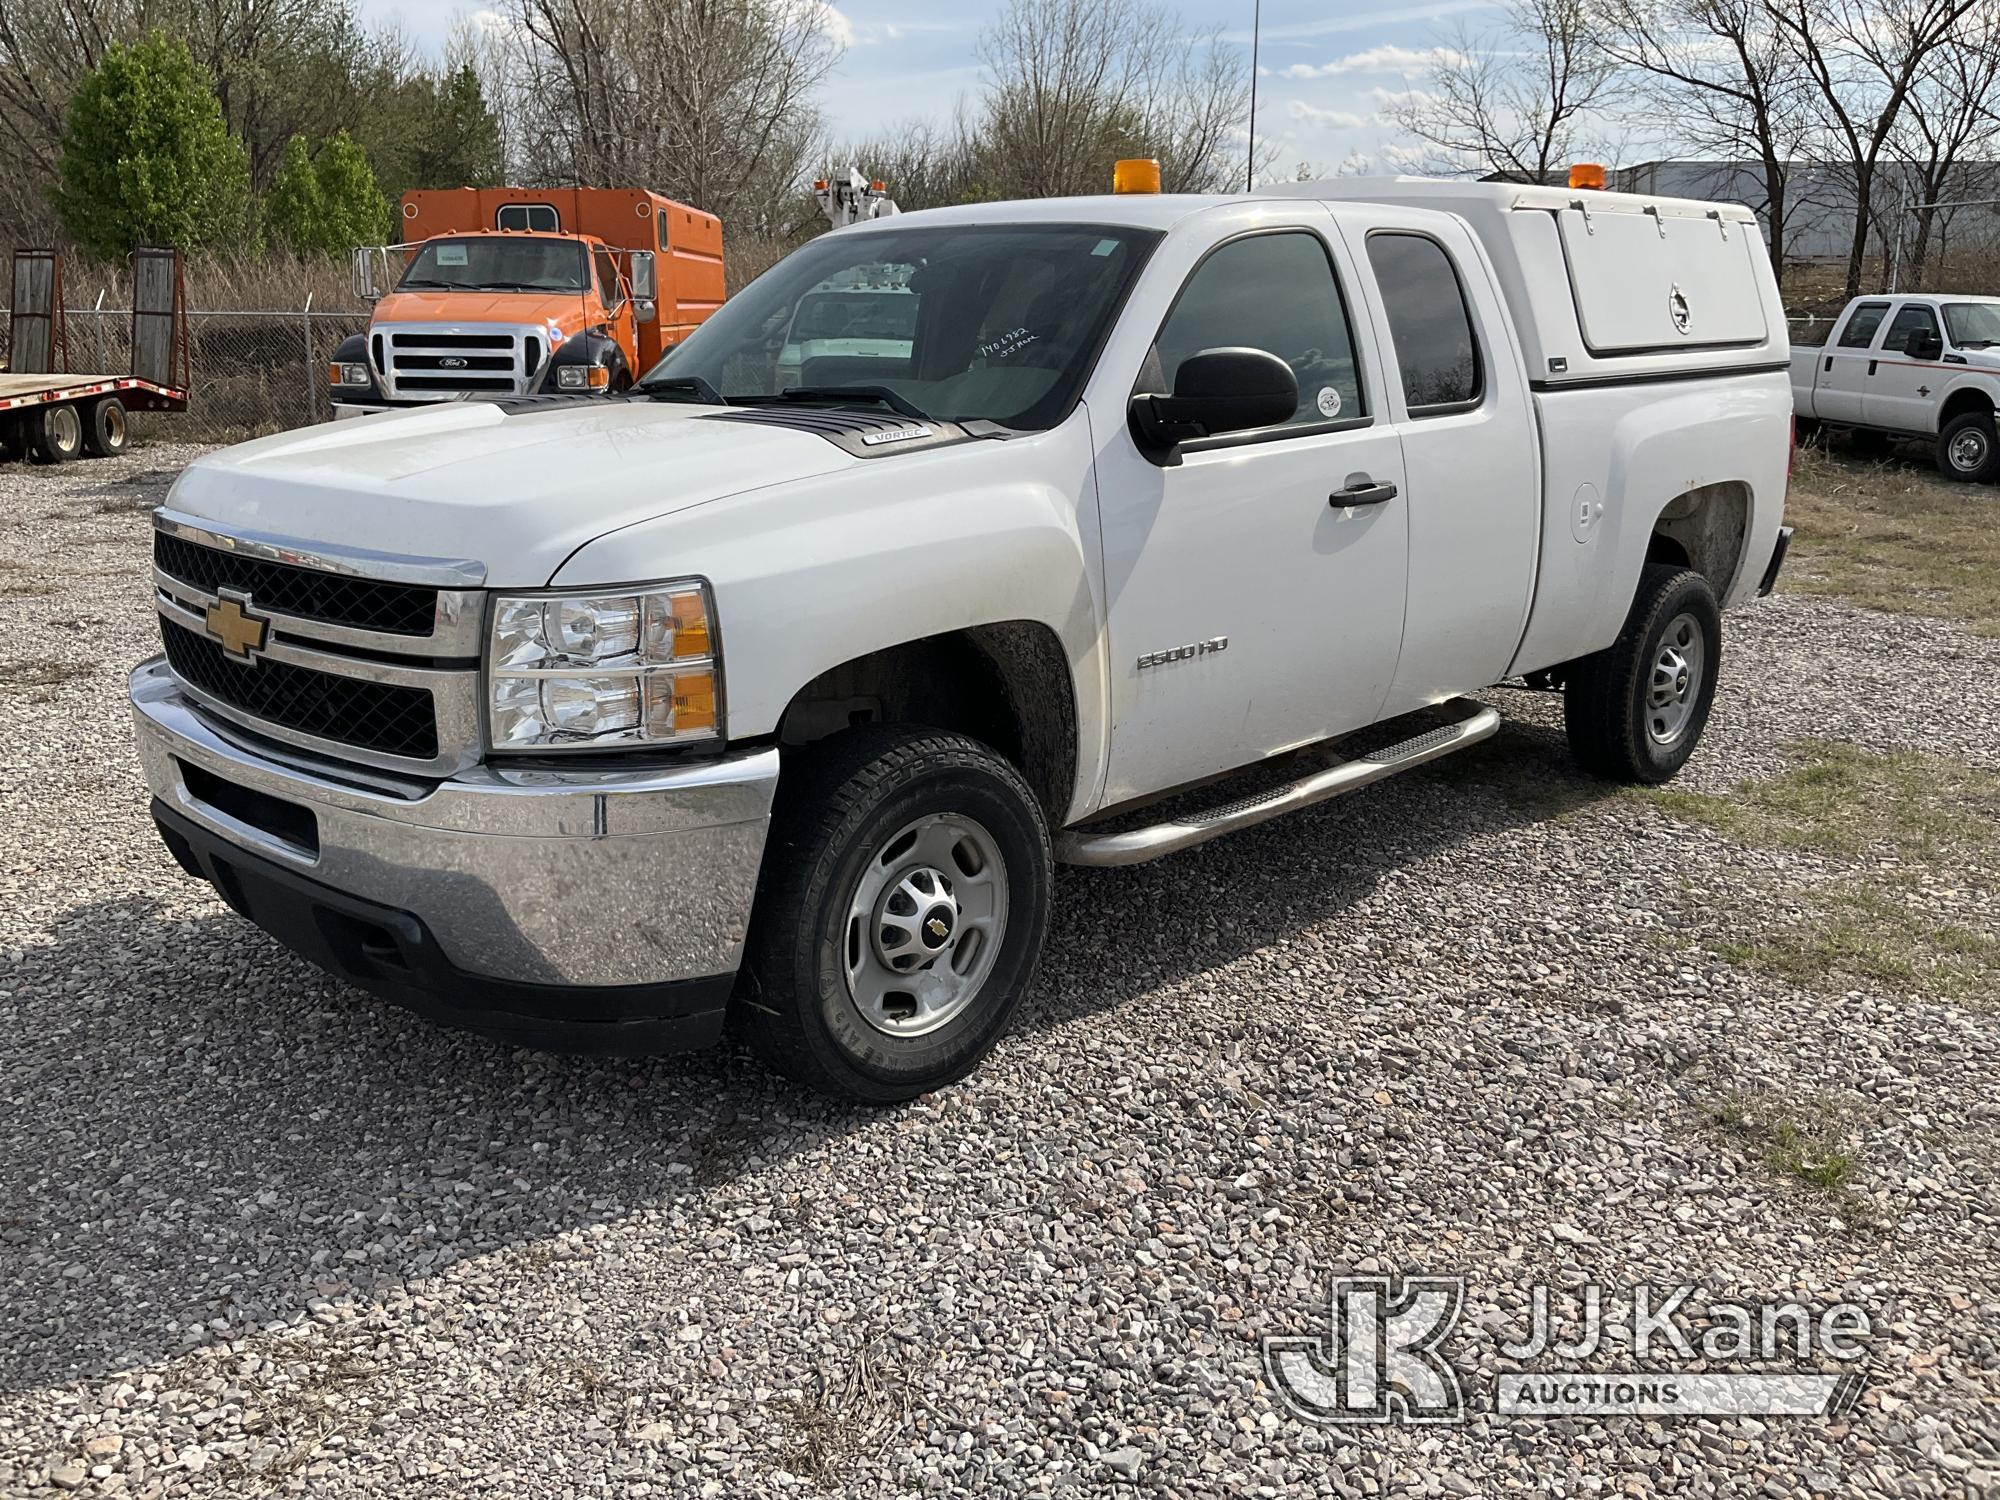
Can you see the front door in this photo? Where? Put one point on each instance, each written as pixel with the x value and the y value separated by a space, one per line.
pixel 1255 602
pixel 1901 394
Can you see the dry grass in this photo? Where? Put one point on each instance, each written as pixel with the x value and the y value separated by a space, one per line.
pixel 1894 536
pixel 1894 821
pixel 1810 1139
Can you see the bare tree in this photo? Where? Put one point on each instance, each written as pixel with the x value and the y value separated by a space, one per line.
pixel 1862 59
pixel 1724 73
pixel 710 101
pixel 1943 142
pixel 1075 84
pixel 1515 103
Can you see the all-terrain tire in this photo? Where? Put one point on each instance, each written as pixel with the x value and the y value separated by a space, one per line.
pixel 1635 710
pixel 842 826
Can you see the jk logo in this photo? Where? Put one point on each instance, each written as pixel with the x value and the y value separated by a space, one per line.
pixel 1379 1361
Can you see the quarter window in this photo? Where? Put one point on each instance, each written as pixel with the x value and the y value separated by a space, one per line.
pixel 1860 330
pixel 1274 292
pixel 1428 323
pixel 1912 319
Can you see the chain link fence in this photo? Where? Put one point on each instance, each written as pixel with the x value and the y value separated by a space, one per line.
pixel 249 372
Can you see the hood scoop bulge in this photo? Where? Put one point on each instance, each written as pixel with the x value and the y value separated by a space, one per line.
pixel 865 434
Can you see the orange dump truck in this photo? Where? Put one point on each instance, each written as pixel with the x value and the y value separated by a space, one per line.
pixel 525 291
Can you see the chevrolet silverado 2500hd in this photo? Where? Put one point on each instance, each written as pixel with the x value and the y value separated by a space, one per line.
pixel 586 723
pixel 1924 367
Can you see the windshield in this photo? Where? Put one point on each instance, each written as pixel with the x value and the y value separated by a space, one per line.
pixel 962 322
pixel 1973 325
pixel 496 264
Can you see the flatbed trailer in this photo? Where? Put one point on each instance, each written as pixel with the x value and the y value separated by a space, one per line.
pixel 49 414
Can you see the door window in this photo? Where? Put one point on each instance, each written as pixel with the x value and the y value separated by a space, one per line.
pixel 1274 292
pixel 607 280
pixel 1428 323
pixel 1861 325
pixel 1912 319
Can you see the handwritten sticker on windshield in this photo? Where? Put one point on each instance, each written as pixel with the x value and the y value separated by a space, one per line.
pixel 1007 344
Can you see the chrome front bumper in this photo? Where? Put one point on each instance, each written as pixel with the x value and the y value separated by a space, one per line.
pixel 566 880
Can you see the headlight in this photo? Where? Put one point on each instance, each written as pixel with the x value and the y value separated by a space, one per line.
pixel 603 670
pixel 582 377
pixel 346 374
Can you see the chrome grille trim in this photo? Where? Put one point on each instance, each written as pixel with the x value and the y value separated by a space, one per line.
pixel 404 660
pixel 410 352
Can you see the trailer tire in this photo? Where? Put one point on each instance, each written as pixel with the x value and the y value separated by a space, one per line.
pixel 1968 449
pixel 55 433
pixel 890 845
pixel 109 431
pixel 1635 711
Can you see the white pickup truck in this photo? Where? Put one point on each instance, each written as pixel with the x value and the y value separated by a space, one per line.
pixel 593 724
pixel 1907 366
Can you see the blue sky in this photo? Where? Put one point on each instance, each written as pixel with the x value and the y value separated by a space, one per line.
pixel 1327 64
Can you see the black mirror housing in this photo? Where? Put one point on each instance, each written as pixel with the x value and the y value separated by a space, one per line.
pixel 1216 391
pixel 1922 345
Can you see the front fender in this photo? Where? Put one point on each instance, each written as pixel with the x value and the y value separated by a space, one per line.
pixel 882 551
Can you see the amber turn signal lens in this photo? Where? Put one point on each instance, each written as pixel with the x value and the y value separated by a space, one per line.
pixel 1136 174
pixel 1586 174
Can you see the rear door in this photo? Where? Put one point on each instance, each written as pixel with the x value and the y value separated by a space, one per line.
pixel 1457 392
pixel 1900 394
pixel 1841 382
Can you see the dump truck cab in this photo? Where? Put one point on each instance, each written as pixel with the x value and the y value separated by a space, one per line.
pixel 512 292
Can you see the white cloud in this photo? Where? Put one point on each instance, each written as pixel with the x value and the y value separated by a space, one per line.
pixel 1388 58
pixel 1322 119
pixel 829 21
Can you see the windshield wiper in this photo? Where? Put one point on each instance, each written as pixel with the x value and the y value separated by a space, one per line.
pixel 407 282
pixel 683 385
pixel 842 395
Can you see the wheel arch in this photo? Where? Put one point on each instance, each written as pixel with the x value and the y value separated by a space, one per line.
pixel 1704 528
pixel 1008 685
pixel 1967 398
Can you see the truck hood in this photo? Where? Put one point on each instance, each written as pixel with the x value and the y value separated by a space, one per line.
pixel 517 488
pixel 567 310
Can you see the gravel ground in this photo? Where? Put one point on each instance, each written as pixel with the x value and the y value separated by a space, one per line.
pixel 263 1235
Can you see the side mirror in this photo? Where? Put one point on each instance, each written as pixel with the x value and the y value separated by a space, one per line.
pixel 1923 344
pixel 1215 391
pixel 365 286
pixel 645 276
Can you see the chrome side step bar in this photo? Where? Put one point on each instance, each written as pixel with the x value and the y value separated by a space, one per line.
pixel 1137 845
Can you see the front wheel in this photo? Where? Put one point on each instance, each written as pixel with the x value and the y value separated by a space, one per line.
pixel 1635 710
pixel 1966 449
pixel 900 916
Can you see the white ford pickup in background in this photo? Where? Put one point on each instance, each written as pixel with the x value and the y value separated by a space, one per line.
pixel 590 724
pixel 1917 367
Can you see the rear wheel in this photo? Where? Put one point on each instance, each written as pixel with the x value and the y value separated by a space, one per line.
pixel 1635 710
pixel 900 916
pixel 1967 450
pixel 55 433
pixel 109 431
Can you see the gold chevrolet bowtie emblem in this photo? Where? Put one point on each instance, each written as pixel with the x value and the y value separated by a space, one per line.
pixel 240 632
pixel 937 929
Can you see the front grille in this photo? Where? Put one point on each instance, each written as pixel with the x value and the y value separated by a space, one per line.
pixel 427 365
pixel 395 608
pixel 387 718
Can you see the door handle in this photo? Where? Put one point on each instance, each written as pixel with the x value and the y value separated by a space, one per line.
pixel 1871 366
pixel 1361 490
pixel 1829 364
